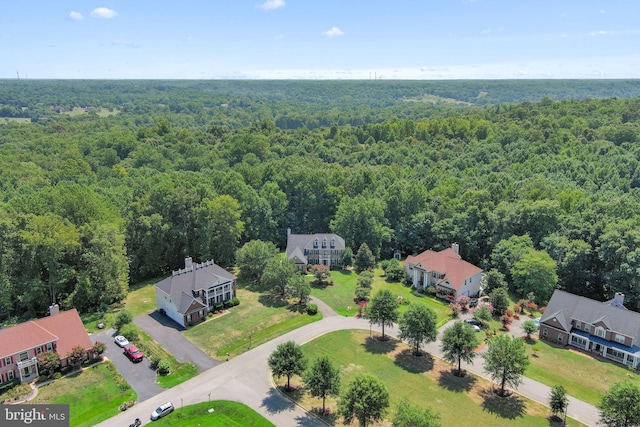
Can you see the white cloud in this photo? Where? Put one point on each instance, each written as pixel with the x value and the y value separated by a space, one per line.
pixel 601 33
pixel 272 4
pixel 103 13
pixel 333 32
pixel 75 16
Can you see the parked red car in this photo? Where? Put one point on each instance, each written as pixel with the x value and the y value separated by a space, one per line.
pixel 134 353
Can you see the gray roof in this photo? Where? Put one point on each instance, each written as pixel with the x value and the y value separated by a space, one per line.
pixel 565 307
pixel 297 243
pixel 182 284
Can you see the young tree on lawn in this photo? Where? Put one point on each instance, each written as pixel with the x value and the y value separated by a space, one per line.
pixel 347 257
pixel 418 325
pixel 300 288
pixel 529 327
pixel 408 415
pixel 506 360
pixel 499 299
pixel 322 379
pixel 394 271
pixel 459 343
pixel 483 313
pixel 122 318
pixel 276 276
pixel 382 309
pixel 366 400
pixel 365 279
pixel 253 257
pixel 77 355
pixel 99 347
pixel 287 360
pixel 364 258
pixel 558 400
pixel 321 272
pixel 50 361
pixel 620 405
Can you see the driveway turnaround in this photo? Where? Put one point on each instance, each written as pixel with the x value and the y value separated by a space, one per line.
pixel 169 335
pixel 140 376
pixel 247 379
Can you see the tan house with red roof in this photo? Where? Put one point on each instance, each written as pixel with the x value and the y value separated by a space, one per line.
pixel 21 344
pixel 447 271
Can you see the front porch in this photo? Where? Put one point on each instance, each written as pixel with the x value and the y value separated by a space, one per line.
pixel 28 369
pixel 611 350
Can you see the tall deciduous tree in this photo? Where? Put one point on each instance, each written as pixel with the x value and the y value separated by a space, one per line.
pixel 506 360
pixel 287 360
pixel 620 405
pixel 322 379
pixel 300 288
pixel 252 258
pixel 50 361
pixel 383 309
pixel 366 399
pixel 347 257
pixel 408 415
pixel 458 344
pixel 219 230
pixel 418 325
pixel 499 299
pixel 277 274
pixel 535 272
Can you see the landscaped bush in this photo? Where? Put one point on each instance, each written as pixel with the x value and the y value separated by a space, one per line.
pixel 154 361
pixel 312 309
pixel 235 301
pixel 57 375
pixel 15 393
pixel 164 368
pixel 130 332
pixel 127 405
pixel 8 385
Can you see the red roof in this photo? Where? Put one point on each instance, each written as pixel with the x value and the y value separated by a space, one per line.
pixel 446 262
pixel 65 328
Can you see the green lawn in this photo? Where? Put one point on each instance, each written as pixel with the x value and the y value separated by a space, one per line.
pixel 584 377
pixel 225 414
pixel 340 296
pixel 92 395
pixel 425 381
pixel 259 318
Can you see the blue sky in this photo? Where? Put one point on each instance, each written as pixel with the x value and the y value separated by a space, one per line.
pixel 328 39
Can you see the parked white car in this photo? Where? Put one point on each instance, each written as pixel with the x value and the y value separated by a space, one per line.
pixel 121 341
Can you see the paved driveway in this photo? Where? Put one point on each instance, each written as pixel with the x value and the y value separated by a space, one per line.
pixel 140 376
pixel 169 335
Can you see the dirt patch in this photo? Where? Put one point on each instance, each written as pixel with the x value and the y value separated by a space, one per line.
pixel 581 353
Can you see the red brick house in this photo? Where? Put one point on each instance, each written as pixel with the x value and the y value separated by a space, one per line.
pixel 21 344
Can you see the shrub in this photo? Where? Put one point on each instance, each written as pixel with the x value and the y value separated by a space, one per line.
pixel 126 405
pixel 122 318
pixel 154 361
pixel 362 294
pixel 431 291
pixel 130 332
pixel 312 309
pixel 57 375
pixel 235 301
pixel 455 309
pixel 164 368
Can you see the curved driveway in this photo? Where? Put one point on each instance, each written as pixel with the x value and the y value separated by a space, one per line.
pixel 247 379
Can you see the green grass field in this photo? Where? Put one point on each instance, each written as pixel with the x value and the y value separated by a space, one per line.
pixel 92 395
pixel 584 377
pixel 340 295
pixel 425 381
pixel 225 414
pixel 5 120
pixel 259 318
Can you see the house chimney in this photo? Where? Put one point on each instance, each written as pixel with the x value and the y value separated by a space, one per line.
pixel 188 262
pixel 456 248
pixel 618 300
pixel 54 309
pixel 288 231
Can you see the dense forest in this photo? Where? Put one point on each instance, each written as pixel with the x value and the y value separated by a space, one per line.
pixel 107 183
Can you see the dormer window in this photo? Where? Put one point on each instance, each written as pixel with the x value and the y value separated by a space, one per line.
pixel 324 243
pixel 600 332
pixel 315 243
pixel 333 243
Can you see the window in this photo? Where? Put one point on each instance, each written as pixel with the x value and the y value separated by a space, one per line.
pixel 315 243
pixel 7 361
pixel 578 325
pixel 333 243
pixel 9 375
pixel 324 243
pixel 587 328
pixel 24 356
pixel 620 338
pixel 559 338
pixel 188 318
pixel 545 332
pixel 600 332
pixel 39 350
pixel 49 347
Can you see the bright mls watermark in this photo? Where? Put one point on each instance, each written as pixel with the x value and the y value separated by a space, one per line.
pixel 34 415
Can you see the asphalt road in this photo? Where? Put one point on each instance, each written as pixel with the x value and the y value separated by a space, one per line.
pixel 140 376
pixel 247 379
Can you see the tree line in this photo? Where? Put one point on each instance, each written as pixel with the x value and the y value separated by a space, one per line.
pixel 538 194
